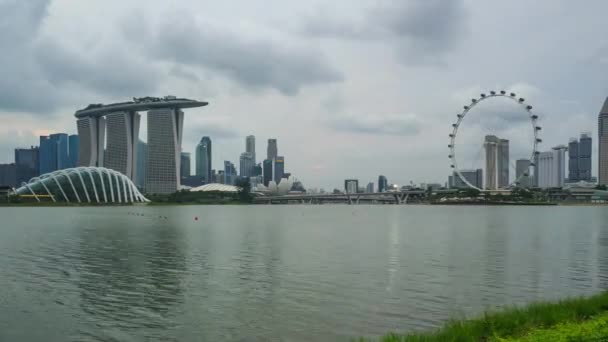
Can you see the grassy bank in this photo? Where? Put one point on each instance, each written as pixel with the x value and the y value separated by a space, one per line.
pixel 578 319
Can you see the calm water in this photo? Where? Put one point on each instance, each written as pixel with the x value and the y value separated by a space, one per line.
pixel 291 273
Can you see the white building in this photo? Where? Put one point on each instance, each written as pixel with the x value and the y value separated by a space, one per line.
pixel 122 129
pixel 552 168
pixel 165 128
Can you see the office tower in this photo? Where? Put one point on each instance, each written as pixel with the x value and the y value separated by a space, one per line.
pixel 351 186
pixel 8 175
pixel 122 129
pixel 257 170
pixel 73 149
pixel 272 151
pixel 522 172
pixel 370 187
pixel 203 160
pixel 250 146
pixel 53 153
pixel 279 169
pixel 62 141
pixel 91 133
pixel 552 167
pixel 26 162
pixel 268 171
pixel 475 177
pixel 185 164
pixel 229 173
pixel 491 147
pixel 382 183
pixel 573 147
pixel 502 163
pixel 602 133
pixel 142 150
pixel 165 128
pixel 246 164
pixel 585 149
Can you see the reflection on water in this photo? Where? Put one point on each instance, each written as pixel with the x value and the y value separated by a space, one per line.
pixel 294 273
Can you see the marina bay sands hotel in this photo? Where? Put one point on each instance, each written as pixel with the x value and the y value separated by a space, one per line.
pixel 120 123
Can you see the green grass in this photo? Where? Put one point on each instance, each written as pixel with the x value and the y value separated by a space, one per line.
pixel 567 320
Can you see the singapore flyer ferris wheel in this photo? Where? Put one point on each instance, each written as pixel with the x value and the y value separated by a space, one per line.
pixel 526 109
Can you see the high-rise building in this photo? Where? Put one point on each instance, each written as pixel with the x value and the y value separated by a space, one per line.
pixel 250 146
pixel 63 158
pixel 185 164
pixel 272 151
pixel 370 187
pixel 8 175
pixel 229 173
pixel 142 151
pixel 247 164
pixel 53 153
pixel 73 149
pixel 602 132
pixel 573 146
pixel 257 170
pixel 92 133
pixel 268 171
pixel 522 172
pixel 552 167
pixel 203 159
pixel 279 168
pixel 503 163
pixel 351 186
pixel 382 183
pixel 491 147
pixel 475 177
pixel 585 149
pixel 165 127
pixel 26 162
pixel 122 129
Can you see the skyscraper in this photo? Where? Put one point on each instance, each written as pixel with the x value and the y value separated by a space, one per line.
pixel 382 183
pixel 250 146
pixel 63 159
pixel 552 167
pixel 53 153
pixel 165 127
pixel 26 163
pixel 503 163
pixel 573 147
pixel 92 133
pixel 268 170
pixel 279 168
pixel 351 186
pixel 491 147
pixel 185 164
pixel 74 147
pixel 602 133
pixel 272 149
pixel 229 173
pixel 122 130
pixel 142 151
pixel 370 187
pixel 522 172
pixel 585 149
pixel 203 159
pixel 246 164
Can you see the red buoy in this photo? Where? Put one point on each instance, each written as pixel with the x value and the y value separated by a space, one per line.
pixel 195 218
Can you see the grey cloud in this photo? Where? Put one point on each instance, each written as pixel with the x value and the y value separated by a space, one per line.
pixel 211 129
pixel 404 125
pixel 255 64
pixel 422 32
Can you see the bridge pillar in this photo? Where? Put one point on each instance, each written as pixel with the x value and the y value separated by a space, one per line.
pixel 358 198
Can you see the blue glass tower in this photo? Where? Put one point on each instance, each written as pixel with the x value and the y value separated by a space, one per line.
pixel 74 144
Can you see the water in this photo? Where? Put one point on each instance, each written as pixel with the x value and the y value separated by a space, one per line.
pixel 290 273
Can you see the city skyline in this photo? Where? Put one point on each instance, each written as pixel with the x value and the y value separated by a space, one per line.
pixel 326 96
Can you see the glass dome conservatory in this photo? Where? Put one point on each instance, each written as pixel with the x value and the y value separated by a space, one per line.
pixel 83 185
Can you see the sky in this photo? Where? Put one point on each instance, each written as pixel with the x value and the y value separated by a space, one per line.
pixel 350 89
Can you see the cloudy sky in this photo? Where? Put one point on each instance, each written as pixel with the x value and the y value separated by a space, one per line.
pixel 351 89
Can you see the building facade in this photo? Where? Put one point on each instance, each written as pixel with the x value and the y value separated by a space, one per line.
pixel 382 183
pixel 142 152
pixel 250 146
pixel 268 171
pixel 475 177
pixel 229 173
pixel 503 163
pixel 122 132
pixel 279 169
pixel 165 127
pixel 185 164
pixel 91 133
pixel 522 173
pixel 247 164
pixel 351 186
pixel 552 168
pixel 203 159
pixel 602 132
pixel 74 149
pixel 491 148
pixel 370 187
pixel 272 150
pixel 26 163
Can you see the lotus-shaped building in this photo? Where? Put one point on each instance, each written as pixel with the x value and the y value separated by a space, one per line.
pixel 83 185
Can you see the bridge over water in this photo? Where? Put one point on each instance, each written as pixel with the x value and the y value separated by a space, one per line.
pixel 393 197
